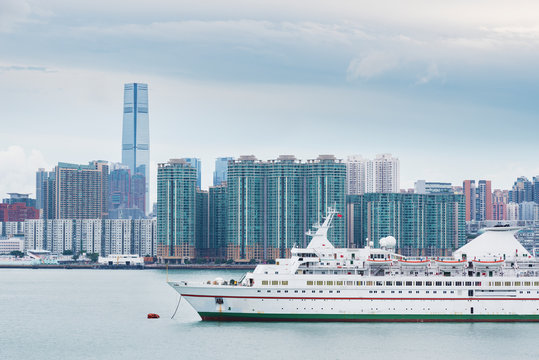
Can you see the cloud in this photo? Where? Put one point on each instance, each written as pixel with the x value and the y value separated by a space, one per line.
pixel 371 65
pixel 430 74
pixel 18 168
pixel 13 12
pixel 24 68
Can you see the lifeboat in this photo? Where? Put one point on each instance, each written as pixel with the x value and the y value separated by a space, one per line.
pixel 488 262
pixel 414 261
pixel 451 261
pixel 380 260
pixel 153 316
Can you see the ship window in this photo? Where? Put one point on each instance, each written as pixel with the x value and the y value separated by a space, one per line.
pixel 517 283
pixel 286 291
pixel 434 292
pixel 339 283
pixel 478 283
pixel 378 283
pixel 398 283
pixel 349 283
pixel 389 283
pixel 458 283
pixel 338 291
pixel 274 282
pixel 319 283
pixel 309 283
pixel 536 283
pixel 408 283
pixel 359 283
pixel 428 283
pixel 448 283
pixel 259 290
pixel 468 283
pixel 497 283
pixel 284 282
pixel 295 291
pixel 438 283
pixel 527 283
pixel 369 283
pixel 264 282
pixel 278 291
pixel 329 283
pixel 419 283
pixel 508 283
pixel 331 291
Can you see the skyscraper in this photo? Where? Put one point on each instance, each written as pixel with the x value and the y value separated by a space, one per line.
pixel 75 191
pixel 272 203
pixel 356 175
pixel 176 211
pixel 431 225
pixel 484 200
pixel 221 170
pixel 197 164
pixel 470 195
pixel 136 134
pixel 386 174
pixel 41 176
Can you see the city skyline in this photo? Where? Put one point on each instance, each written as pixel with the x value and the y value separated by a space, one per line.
pixel 448 87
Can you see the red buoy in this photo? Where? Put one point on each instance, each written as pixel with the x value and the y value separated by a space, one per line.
pixel 153 316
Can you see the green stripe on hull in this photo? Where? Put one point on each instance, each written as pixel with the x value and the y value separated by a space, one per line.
pixel 223 316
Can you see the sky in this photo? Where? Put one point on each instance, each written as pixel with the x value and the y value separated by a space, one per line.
pixel 451 88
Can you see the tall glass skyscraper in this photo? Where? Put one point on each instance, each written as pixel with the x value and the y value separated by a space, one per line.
pixel 197 164
pixel 136 134
pixel 221 170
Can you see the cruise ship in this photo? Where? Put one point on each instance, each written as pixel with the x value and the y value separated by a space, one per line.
pixel 492 278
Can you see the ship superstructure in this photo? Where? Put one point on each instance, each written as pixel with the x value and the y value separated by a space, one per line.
pixel 492 278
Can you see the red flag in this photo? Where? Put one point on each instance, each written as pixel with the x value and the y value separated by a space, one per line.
pixel 339 215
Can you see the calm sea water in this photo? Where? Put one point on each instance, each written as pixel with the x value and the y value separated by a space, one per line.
pixel 101 314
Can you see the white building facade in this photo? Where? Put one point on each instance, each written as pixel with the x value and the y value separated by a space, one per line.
pixel 380 175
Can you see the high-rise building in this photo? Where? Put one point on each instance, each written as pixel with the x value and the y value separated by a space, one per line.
pixel 77 191
pixel 221 170
pixel 119 187
pixel 499 211
pixel 356 175
pixel 536 189
pixel 202 240
pixel 136 134
pixel 41 176
pixel 528 210
pixel 484 200
pixel 423 225
pixel 217 219
pixel 245 209
pixel 470 195
pixel 197 164
pixel 101 236
pixel 176 211
pixel 272 204
pixel 513 211
pixel 432 188
pixel 522 190
pixel 386 174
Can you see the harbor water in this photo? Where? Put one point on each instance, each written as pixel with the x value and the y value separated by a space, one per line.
pixel 101 314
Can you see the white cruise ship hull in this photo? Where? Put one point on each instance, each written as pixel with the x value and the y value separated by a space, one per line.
pixel 242 303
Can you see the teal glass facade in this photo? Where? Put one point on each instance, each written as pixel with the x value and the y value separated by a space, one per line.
pixel 176 211
pixel 423 225
pixel 218 219
pixel 271 204
pixel 136 136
